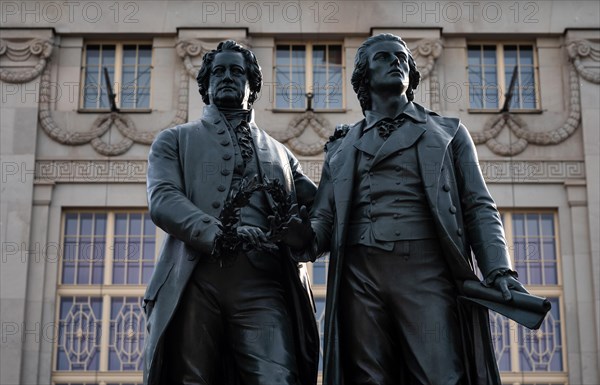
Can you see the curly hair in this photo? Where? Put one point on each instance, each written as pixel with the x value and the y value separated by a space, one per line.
pixel 253 70
pixel 360 75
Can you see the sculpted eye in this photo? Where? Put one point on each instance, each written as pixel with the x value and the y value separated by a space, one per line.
pixel 218 71
pixel 237 71
pixel 379 56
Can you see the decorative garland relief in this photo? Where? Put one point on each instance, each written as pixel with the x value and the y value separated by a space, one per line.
pixel 19 50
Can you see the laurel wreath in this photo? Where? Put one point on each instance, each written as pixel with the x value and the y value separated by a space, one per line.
pixel 228 244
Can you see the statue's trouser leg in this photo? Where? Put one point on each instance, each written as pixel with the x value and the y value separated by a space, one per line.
pixel 238 311
pixel 398 317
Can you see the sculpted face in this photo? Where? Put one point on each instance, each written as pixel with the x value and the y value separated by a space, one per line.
pixel 228 85
pixel 388 67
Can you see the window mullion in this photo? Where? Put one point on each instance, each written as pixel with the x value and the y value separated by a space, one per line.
pixel 327 75
pixel 500 71
pixel 109 248
pixel 108 264
pixel 309 69
pixel 508 234
pixel 118 68
pixel 513 327
pixel 105 333
pixel 136 69
pixel 291 75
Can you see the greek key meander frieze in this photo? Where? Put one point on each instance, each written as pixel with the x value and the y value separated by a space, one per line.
pixel 20 50
pixel 128 171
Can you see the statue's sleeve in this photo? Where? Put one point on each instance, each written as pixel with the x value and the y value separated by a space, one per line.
pixel 323 211
pixel 169 207
pixel 480 215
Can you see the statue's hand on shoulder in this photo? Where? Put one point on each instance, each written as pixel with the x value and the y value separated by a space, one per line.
pixel 296 232
pixel 505 281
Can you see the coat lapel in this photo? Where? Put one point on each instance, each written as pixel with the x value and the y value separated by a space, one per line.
pixel 402 138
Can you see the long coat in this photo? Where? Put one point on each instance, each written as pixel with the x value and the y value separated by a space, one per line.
pixel 465 216
pixel 190 170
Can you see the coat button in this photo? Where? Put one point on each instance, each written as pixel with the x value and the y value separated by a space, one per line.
pixel 216 205
pixel 221 131
pixel 226 156
pixel 453 209
pixel 225 142
pixel 398 168
pixel 398 232
pixel 205 219
pixel 225 172
pixel 221 188
pixel 191 256
pixel 459 232
pixel 446 187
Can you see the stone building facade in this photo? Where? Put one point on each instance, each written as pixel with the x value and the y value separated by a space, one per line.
pixel 78 246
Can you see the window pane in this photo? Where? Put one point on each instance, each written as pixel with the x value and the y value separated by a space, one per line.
pixel 92 57
pixel 79 331
pixel 510 56
pixel 298 55
pixel 474 56
pixel 535 250
pixel 319 274
pixel 127 327
pixel 526 55
pixel 320 305
pixel 501 338
pixel 83 249
pixel 129 55
pixel 541 350
pixel 145 55
pixel 489 55
pixel 134 249
pixel 290 76
pixel 335 54
pixel 282 55
pixel 475 97
pixel 319 55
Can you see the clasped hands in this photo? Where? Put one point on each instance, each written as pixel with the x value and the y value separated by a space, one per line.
pixel 296 232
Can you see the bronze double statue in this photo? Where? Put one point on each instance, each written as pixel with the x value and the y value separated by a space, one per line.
pixel 401 207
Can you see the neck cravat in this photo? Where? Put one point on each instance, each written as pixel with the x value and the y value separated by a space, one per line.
pixel 386 126
pixel 245 141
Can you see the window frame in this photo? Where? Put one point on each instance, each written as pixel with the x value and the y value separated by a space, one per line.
pixel 516 376
pixel 106 291
pixel 118 74
pixel 308 74
pixel 501 78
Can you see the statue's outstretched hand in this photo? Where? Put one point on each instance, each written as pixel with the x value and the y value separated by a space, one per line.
pixel 505 283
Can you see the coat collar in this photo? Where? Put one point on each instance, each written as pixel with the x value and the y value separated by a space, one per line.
pixel 213 115
pixel 411 110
